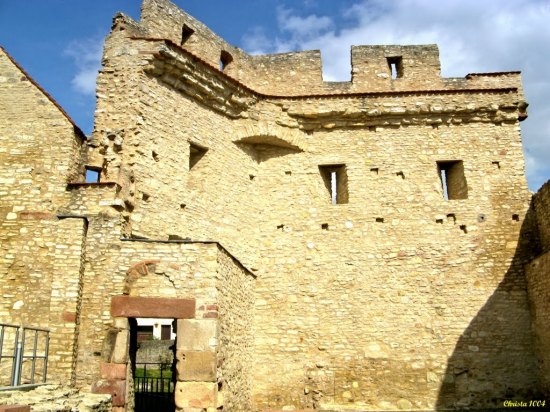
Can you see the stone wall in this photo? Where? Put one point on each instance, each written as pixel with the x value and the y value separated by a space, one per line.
pixel 391 296
pixel 57 398
pixel 397 284
pixel 236 333
pixel 155 351
pixel 40 150
pixel 221 292
pixel 538 277
pixel 300 73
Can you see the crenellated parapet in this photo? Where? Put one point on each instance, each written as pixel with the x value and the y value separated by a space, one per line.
pixel 395 67
pixel 373 68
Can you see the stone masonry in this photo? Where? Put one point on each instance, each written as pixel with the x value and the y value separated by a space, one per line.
pixel 361 245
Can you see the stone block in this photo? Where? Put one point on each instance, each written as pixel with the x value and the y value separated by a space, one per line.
pixel 68 316
pixel 115 388
pixel 121 323
pixel 120 351
pixel 196 366
pixel 139 307
pixel 195 394
pixel 15 408
pixel 113 371
pixel 196 335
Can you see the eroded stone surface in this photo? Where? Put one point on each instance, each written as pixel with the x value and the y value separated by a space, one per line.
pixel 56 398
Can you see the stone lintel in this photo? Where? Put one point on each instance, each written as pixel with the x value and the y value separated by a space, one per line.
pixel 141 307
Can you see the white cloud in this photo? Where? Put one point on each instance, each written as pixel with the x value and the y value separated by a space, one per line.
pixel 302 27
pixel 473 36
pixel 86 54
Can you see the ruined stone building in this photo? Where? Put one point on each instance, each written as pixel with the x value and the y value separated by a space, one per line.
pixel 361 245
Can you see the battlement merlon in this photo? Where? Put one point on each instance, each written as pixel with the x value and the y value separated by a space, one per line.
pixel 386 68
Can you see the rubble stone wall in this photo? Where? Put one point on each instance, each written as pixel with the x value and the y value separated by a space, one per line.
pixel 538 277
pixel 235 353
pixel 41 254
pixel 57 398
pixel 397 284
pixel 300 73
pixel 391 296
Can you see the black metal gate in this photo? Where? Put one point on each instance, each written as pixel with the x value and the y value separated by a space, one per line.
pixel 153 388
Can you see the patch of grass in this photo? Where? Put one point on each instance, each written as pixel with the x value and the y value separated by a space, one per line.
pixel 153 373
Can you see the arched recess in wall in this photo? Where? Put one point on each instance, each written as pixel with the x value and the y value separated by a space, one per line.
pixel 263 141
pixel 160 275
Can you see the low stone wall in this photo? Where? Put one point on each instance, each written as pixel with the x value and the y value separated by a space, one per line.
pixel 155 351
pixel 56 398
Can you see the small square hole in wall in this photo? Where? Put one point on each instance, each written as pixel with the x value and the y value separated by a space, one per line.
pixel 186 33
pixel 288 173
pixel 464 228
pixel 93 174
pixel 336 181
pixel 374 171
pixel 196 153
pixel 379 220
pixel 453 181
pixel 324 226
pixel 451 218
pixel 400 174
pixel 251 177
pixel 515 217
pixel 496 165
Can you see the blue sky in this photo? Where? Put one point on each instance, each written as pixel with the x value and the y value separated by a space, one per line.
pixel 59 43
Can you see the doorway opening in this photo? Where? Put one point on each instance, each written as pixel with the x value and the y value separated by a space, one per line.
pixel 153 363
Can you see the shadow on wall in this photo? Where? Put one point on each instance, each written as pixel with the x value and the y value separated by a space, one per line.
pixel 494 359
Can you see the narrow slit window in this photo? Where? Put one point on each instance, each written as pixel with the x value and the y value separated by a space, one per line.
pixel 225 59
pixel 336 182
pixel 395 65
pixel 186 33
pixel 92 174
pixel 196 153
pixel 453 181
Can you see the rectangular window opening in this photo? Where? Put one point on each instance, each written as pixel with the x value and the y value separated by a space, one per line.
pixel 336 181
pixel 92 174
pixel 196 153
pixel 453 181
pixel 395 65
